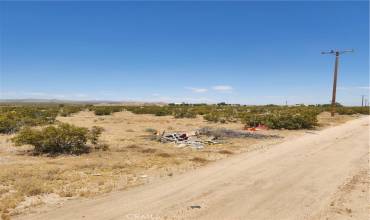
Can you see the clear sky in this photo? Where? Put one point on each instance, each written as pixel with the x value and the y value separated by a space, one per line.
pixel 238 52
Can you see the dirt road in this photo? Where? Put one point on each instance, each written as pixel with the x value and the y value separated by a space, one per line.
pixel 321 175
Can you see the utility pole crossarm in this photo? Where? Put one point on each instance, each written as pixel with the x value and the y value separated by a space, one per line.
pixel 328 52
pixel 346 51
pixel 338 51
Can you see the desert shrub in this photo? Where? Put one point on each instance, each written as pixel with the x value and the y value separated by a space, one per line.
pixel 105 110
pixel 101 146
pixel 161 112
pixel 62 138
pixel 212 117
pixel 94 134
pixel 178 111
pixel 8 124
pixel 353 110
pixel 102 111
pixel 153 109
pixel 13 118
pixel 362 110
pixel 184 113
pixel 150 130
pixel 222 114
pixel 345 111
pixel 70 109
pixel 283 120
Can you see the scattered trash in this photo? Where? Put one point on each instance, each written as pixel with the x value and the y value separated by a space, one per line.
pixel 96 174
pixel 195 206
pixel 183 140
pixel 205 136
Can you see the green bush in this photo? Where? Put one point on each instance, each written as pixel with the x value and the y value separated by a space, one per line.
pixel 102 111
pixel 161 112
pixel 353 110
pixel 184 113
pixel 362 110
pixel 105 110
pixel 283 120
pixel 212 117
pixel 8 124
pixel 70 109
pixel 153 109
pixel 94 134
pixel 60 139
pixel 13 118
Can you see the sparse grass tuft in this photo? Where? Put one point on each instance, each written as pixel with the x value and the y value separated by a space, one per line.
pixel 150 130
pixel 199 160
pixel 133 146
pixel 149 150
pixel 102 146
pixel 164 155
pixel 33 187
pixel 225 152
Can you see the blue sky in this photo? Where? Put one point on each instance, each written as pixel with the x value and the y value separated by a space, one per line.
pixel 238 52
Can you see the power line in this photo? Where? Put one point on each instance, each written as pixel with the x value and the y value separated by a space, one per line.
pixel 337 53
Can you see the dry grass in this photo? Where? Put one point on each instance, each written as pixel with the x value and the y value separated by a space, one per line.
pixel 131 154
pixel 149 151
pixel 199 160
pixel 164 155
pixel 225 152
pixel 326 120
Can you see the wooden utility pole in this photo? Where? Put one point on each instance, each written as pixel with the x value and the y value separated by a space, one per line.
pixel 334 94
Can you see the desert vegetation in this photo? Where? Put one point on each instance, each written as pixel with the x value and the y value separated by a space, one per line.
pixel 71 150
pixel 67 110
pixel 12 118
pixel 62 138
pixel 272 116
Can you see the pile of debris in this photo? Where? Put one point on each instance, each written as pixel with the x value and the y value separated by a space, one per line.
pixel 207 136
pixel 184 139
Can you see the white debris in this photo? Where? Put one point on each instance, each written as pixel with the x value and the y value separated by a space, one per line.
pixel 184 140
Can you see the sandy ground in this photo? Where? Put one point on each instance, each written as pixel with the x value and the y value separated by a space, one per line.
pixel 28 182
pixel 320 175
